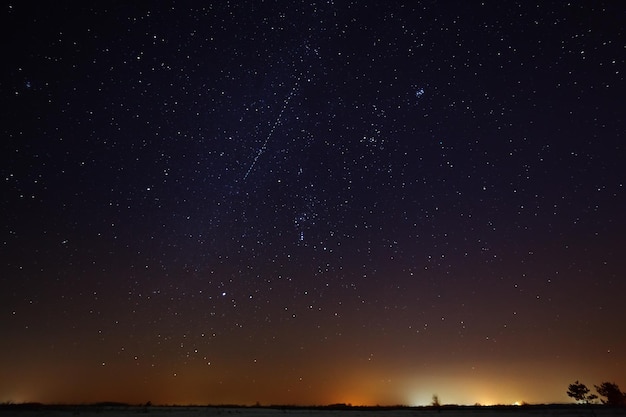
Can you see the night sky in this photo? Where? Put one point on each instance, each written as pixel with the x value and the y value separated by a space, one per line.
pixel 312 202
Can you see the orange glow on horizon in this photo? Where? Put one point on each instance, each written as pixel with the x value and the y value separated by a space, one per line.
pixel 349 382
pixel 362 388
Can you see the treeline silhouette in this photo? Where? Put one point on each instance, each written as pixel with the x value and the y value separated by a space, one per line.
pixel 613 396
pixel 608 393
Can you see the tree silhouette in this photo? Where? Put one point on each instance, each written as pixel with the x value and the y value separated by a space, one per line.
pixel 435 403
pixel 580 393
pixel 611 391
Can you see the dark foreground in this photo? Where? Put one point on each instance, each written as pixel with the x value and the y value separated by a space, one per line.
pixel 37 410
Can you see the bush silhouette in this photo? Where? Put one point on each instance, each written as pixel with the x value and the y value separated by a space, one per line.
pixel 613 395
pixel 580 393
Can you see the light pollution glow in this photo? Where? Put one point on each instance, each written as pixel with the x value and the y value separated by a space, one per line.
pixel 490 386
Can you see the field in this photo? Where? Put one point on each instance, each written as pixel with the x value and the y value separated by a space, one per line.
pixel 211 411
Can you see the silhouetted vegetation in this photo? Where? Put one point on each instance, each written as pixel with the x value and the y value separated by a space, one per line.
pixel 610 390
pixel 614 396
pixel 580 393
pixel 21 406
pixel 435 403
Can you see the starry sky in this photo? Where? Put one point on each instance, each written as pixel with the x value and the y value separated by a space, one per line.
pixel 311 202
